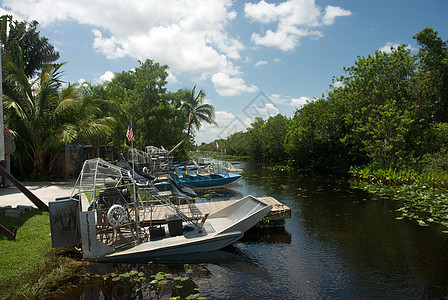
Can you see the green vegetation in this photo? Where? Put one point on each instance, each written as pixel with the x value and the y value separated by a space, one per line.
pixel 161 285
pixel 29 267
pixel 388 110
pixel 44 115
pixel 385 121
pixel 196 112
pixel 421 203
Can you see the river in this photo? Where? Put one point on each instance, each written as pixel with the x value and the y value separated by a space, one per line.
pixel 340 243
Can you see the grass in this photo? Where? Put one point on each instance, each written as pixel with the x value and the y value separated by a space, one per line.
pixel 29 267
pixel 399 175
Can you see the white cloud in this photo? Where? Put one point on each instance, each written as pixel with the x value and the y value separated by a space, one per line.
pixel 223 118
pixel 331 12
pixel 228 124
pixel 261 11
pixel 299 102
pixel 294 18
pixel 280 99
pixel 107 76
pixel 389 46
pixel 268 110
pixel 188 36
pixel 338 84
pixel 260 63
pixel 110 47
pixel 231 86
pixel 171 79
pixel 207 101
pixel 291 12
pixel 277 60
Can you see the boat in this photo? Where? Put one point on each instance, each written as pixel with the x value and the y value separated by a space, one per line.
pixel 211 163
pixel 231 168
pixel 198 181
pixel 110 215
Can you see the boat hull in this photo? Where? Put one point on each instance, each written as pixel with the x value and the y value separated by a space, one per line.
pixel 223 228
pixel 202 181
pixel 152 250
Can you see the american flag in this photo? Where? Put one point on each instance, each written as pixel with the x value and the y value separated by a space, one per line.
pixel 129 133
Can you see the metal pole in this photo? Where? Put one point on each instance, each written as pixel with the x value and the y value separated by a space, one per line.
pixel 135 192
pixel 2 136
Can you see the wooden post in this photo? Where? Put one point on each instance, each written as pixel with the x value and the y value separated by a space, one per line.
pixel 41 205
pixel 10 234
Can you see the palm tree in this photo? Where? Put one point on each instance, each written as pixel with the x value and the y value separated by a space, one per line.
pixel 45 118
pixel 196 112
pixel 82 115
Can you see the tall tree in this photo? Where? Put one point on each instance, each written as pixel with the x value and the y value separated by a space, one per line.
pixel 378 92
pixel 141 93
pixel 433 74
pixel 196 111
pixel 23 45
pixel 82 115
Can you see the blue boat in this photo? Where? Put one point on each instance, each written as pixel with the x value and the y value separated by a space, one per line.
pixel 200 181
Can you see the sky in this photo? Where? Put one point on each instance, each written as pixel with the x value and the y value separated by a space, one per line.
pixel 251 58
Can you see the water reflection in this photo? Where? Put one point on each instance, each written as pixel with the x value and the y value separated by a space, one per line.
pixel 339 243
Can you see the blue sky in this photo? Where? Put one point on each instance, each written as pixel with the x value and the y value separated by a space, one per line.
pixel 252 58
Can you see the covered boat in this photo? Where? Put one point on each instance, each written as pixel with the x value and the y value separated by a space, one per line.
pixel 111 214
pixel 205 181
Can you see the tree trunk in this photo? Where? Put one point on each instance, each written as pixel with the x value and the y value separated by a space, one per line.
pixel 178 145
pixel 37 167
pixel 183 141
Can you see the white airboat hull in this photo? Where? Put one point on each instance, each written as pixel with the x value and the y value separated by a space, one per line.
pixel 172 246
pixel 221 229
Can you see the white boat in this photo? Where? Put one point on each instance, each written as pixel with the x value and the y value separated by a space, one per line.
pixel 231 168
pixel 215 166
pixel 113 225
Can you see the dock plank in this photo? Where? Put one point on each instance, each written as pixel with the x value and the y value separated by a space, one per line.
pixel 279 211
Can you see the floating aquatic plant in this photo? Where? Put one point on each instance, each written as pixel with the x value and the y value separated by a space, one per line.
pixel 420 202
pixel 160 279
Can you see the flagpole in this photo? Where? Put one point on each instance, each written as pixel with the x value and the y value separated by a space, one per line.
pixel 137 221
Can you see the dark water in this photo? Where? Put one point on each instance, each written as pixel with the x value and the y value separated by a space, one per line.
pixel 339 244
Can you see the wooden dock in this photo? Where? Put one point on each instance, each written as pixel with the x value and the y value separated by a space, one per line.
pixel 157 215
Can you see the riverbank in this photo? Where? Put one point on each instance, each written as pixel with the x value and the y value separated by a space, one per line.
pixel 29 267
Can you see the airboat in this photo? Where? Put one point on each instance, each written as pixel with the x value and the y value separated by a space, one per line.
pixel 111 215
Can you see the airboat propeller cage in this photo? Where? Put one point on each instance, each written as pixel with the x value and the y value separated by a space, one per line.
pixel 99 185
